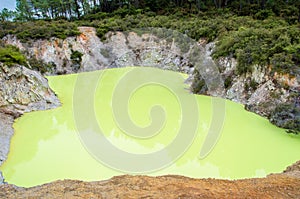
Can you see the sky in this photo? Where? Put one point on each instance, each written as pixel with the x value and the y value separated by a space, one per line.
pixel 9 4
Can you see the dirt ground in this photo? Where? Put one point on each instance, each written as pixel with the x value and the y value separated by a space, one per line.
pixel 285 185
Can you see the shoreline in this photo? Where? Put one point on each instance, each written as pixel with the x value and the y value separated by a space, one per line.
pixel 169 186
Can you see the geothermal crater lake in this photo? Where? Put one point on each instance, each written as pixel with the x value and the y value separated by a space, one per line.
pixel 134 115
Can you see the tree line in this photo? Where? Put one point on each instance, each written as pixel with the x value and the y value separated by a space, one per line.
pixel 27 10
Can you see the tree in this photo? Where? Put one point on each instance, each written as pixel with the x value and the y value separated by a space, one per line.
pixel 24 10
pixel 6 15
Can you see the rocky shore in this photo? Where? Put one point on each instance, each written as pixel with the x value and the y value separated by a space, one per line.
pixel 273 186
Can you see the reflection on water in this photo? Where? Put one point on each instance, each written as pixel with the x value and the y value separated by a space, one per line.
pixel 46 145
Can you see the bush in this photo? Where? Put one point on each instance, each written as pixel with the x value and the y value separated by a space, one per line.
pixel 263 14
pixel 40 66
pixel 39 29
pixel 95 16
pixel 264 45
pixel 282 62
pixel 76 58
pixel 228 82
pixel 11 55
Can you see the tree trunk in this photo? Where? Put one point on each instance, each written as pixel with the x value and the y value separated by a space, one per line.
pixel 77 7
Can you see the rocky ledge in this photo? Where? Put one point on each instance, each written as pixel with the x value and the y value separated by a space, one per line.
pixel 24 90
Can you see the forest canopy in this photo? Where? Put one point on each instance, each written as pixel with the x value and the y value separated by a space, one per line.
pixel 27 10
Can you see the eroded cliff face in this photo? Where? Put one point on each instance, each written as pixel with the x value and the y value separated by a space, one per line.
pixel 119 50
pixel 262 91
pixel 270 94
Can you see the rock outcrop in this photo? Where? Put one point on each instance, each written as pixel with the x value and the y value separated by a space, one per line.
pixel 6 132
pixel 1 179
pixel 119 50
pixel 23 90
pixel 262 91
pixel 293 170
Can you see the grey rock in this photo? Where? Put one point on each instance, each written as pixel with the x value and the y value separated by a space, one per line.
pixel 119 50
pixel 6 132
pixel 1 178
pixel 23 90
pixel 261 91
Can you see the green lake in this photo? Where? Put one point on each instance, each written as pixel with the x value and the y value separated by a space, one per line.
pixel 55 144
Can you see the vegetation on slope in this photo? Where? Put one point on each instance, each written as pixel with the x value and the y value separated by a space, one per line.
pixel 10 55
pixel 256 33
pixel 272 41
pixel 76 9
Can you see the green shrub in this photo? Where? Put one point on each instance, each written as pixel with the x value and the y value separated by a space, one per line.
pixel 282 62
pixel 263 14
pixel 95 16
pixel 264 45
pixel 228 82
pixel 11 55
pixel 39 29
pixel 101 31
pixel 76 58
pixel 40 66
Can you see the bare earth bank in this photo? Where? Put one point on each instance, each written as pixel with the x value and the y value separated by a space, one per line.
pixel 285 185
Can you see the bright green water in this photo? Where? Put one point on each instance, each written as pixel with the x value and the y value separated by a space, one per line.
pixel 47 147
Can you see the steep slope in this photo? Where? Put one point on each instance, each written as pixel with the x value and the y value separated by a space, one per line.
pixel 272 95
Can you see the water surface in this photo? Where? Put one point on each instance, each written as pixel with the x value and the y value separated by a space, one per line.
pixel 47 146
